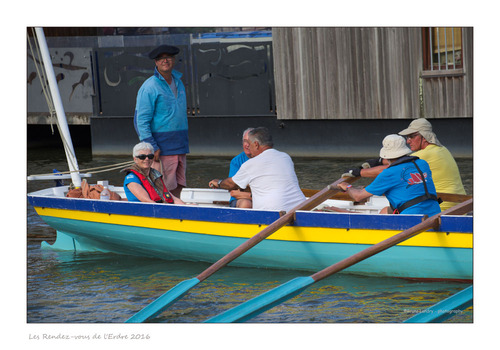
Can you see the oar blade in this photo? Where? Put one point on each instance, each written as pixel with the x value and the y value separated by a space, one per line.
pixel 263 302
pixel 164 301
pixel 444 309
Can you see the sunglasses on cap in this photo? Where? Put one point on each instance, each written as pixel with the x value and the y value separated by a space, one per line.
pixel 144 156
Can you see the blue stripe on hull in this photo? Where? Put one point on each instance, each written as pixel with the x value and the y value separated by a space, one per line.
pixel 229 215
pixel 399 261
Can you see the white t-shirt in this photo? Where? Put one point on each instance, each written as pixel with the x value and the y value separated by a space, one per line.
pixel 271 176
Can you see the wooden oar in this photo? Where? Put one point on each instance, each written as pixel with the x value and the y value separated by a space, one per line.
pixel 452 197
pixel 447 197
pixel 171 296
pixel 266 301
pixel 339 195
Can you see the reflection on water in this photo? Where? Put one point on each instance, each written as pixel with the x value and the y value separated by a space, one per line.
pixel 97 287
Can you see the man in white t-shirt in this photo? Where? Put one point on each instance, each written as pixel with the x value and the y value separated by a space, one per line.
pixel 269 173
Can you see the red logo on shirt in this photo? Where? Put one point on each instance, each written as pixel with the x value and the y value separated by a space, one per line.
pixel 416 178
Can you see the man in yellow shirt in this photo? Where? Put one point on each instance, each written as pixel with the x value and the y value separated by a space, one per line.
pixel 425 145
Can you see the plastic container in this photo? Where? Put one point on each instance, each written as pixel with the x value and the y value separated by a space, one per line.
pixel 105 194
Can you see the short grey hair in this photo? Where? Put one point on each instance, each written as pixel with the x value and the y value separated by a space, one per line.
pixel 245 131
pixel 262 136
pixel 142 146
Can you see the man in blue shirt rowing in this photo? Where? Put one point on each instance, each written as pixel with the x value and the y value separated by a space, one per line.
pixel 407 182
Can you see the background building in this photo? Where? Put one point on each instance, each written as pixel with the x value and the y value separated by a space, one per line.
pixel 326 91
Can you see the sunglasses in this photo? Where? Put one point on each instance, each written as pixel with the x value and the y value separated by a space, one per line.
pixel 412 136
pixel 144 156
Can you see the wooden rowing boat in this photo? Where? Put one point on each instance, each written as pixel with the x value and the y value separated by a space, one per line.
pixel 210 229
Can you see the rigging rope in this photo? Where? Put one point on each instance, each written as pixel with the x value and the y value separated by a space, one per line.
pixel 41 71
pixel 89 170
pixel 43 80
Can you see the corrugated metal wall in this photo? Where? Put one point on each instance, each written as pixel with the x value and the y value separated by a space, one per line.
pixel 363 73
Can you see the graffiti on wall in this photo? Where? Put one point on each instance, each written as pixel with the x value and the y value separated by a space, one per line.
pixel 72 67
pixel 234 79
pixel 121 73
pixel 222 78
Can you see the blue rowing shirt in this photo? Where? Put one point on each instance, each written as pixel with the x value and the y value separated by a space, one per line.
pixel 403 182
pixel 235 165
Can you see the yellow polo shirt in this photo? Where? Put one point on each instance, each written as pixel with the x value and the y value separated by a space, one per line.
pixel 444 169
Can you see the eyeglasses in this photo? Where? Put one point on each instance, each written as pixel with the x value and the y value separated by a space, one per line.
pixel 165 58
pixel 412 136
pixel 144 156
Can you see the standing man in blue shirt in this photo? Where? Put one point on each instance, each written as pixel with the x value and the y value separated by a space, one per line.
pixel 161 118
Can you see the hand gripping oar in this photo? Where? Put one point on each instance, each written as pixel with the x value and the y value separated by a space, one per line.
pixel 174 294
pixel 276 296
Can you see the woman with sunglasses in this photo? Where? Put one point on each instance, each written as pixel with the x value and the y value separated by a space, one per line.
pixel 143 183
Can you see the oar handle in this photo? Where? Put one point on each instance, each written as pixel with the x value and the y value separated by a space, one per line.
pixel 447 197
pixel 452 197
pixel 323 194
pixel 433 221
pixel 309 204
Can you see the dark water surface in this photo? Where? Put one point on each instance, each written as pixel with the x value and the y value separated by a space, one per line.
pixel 68 287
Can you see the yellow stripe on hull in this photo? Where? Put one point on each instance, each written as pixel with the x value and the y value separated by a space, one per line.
pixel 287 233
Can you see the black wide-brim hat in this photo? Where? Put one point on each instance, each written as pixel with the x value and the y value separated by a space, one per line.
pixel 169 50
